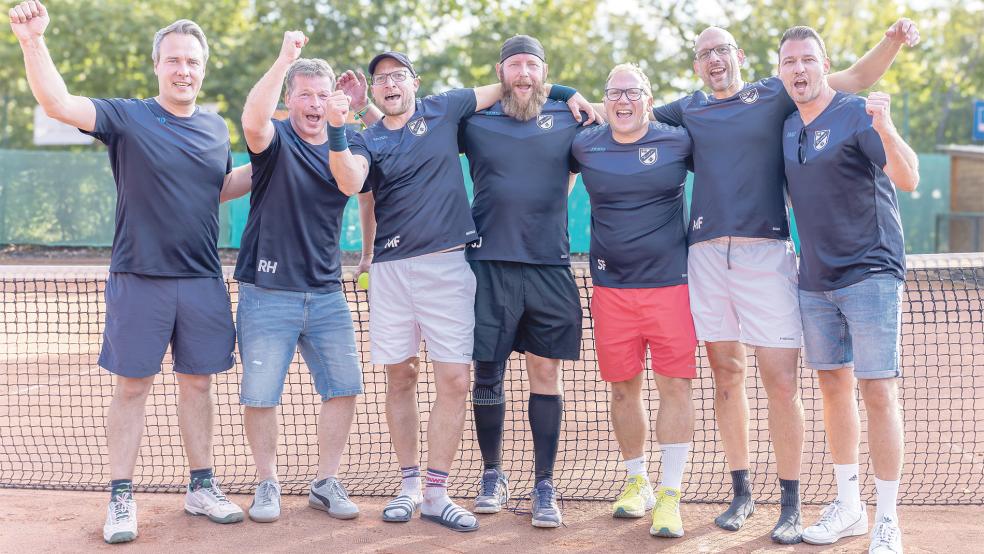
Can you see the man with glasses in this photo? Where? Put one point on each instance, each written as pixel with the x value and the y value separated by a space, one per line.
pixel 420 284
pixel 741 263
pixel 634 171
pixel 526 298
pixel 843 161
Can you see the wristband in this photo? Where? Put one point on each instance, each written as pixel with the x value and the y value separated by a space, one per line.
pixel 336 139
pixel 562 93
pixel 362 113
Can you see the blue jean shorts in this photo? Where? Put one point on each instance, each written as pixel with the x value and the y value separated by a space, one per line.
pixel 145 314
pixel 856 326
pixel 272 324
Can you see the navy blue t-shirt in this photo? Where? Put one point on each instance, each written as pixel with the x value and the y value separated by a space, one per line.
pixel 638 225
pixel 169 172
pixel 521 171
pixel 738 170
pixel 847 211
pixel 416 179
pixel 295 217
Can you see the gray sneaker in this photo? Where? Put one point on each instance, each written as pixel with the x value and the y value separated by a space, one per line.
pixel 494 493
pixel 328 495
pixel 266 502
pixel 545 510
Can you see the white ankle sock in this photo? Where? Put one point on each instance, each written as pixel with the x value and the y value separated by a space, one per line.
pixel 848 485
pixel 674 461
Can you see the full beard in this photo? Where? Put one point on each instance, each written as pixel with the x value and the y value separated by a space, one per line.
pixel 523 110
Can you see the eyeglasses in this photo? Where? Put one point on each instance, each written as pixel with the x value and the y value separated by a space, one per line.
pixel 396 76
pixel 722 50
pixel 802 146
pixel 613 94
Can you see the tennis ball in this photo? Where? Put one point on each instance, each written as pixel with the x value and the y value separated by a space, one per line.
pixel 363 281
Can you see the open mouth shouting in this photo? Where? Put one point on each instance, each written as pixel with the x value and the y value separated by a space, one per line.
pixel 624 113
pixel 801 85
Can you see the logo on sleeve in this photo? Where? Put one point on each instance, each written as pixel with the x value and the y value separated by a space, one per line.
pixel 418 126
pixel 545 122
pixel 648 156
pixel 820 139
pixel 749 95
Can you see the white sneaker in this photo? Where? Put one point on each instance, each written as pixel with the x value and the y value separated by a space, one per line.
pixel 836 522
pixel 209 501
pixel 266 502
pixel 886 537
pixel 121 519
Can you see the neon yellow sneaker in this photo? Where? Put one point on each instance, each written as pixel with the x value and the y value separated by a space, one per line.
pixel 636 498
pixel 666 514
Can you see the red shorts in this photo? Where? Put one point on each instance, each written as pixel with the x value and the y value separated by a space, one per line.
pixel 628 320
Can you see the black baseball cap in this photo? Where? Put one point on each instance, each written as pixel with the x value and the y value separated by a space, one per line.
pixel 400 57
pixel 521 44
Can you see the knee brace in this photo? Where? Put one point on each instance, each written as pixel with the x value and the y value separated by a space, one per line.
pixel 488 388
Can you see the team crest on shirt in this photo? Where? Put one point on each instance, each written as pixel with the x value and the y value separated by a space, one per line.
pixel 648 156
pixel 749 95
pixel 545 122
pixel 820 139
pixel 418 126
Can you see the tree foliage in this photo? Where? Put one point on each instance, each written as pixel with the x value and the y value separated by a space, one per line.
pixel 102 47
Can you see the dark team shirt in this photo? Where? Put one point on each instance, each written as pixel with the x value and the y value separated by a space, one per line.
pixel 638 221
pixel 738 169
pixel 521 171
pixel 416 179
pixel 169 172
pixel 847 212
pixel 295 218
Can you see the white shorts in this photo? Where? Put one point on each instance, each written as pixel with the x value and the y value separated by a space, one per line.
pixel 745 290
pixel 430 296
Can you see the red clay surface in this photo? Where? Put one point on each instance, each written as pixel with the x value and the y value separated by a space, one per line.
pixel 58 521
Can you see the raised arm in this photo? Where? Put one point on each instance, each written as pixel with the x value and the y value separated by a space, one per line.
pixel 355 86
pixel 873 65
pixel 901 162
pixel 367 219
pixel 265 95
pixel 350 171
pixel 29 20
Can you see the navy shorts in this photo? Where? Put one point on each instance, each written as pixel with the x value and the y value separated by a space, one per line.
pixel 525 308
pixel 145 314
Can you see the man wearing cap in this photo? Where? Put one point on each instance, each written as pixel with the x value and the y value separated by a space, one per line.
pixel 741 263
pixel 420 284
pixel 526 299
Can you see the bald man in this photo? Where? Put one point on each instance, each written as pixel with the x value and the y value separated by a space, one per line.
pixel 741 263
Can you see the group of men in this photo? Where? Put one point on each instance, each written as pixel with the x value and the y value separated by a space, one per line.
pixel 478 282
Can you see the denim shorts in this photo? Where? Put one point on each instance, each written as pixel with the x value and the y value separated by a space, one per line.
pixel 856 326
pixel 272 324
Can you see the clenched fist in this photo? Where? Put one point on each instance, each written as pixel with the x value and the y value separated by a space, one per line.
pixel 294 41
pixel 905 31
pixel 28 20
pixel 338 108
pixel 878 107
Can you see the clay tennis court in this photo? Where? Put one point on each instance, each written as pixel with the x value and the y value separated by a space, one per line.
pixel 53 399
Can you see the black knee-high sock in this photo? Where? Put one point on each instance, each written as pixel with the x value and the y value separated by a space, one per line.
pixel 546 412
pixel 489 420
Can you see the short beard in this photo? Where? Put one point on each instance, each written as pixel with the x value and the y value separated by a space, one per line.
pixel 403 108
pixel 518 109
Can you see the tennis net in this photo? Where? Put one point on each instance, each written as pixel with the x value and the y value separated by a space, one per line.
pixel 53 399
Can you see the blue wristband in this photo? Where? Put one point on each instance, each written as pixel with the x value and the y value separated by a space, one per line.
pixel 562 93
pixel 337 142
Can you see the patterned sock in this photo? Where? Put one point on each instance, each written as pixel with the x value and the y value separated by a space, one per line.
pixel 437 484
pixel 201 478
pixel 411 481
pixel 120 486
pixel 740 484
